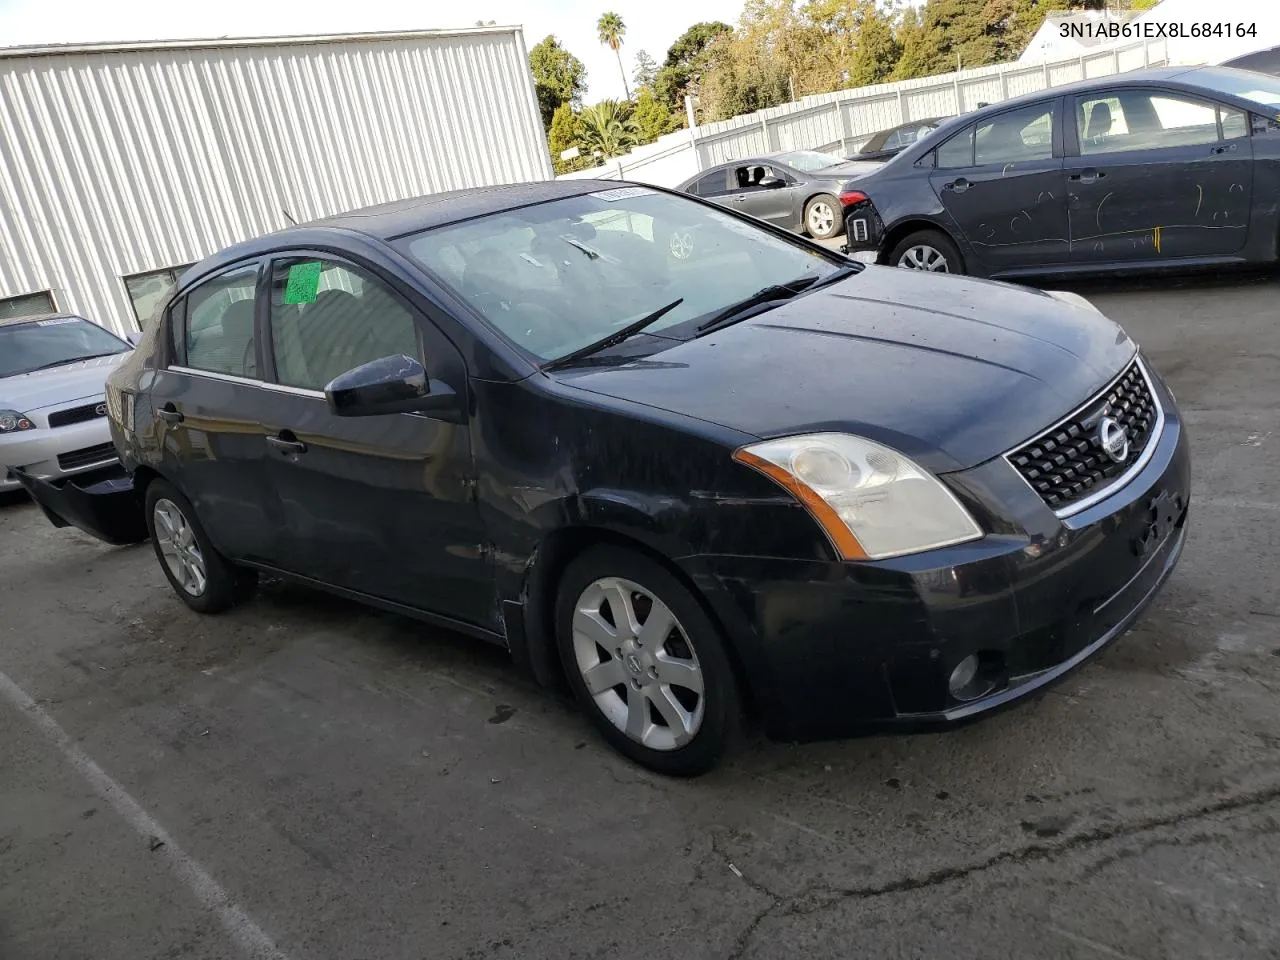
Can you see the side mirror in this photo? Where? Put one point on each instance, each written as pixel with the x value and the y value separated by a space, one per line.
pixel 396 384
pixel 772 183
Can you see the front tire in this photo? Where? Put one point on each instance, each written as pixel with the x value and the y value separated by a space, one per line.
pixel 645 661
pixel 823 217
pixel 929 250
pixel 204 579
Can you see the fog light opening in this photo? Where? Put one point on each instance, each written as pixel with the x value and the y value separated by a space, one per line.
pixel 972 678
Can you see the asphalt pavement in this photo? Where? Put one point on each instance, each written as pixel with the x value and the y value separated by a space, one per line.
pixel 304 778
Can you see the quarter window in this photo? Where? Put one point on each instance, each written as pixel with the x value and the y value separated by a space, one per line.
pixel 219 324
pixel 148 291
pixel 328 318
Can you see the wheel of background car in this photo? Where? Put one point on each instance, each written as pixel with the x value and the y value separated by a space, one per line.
pixel 645 661
pixel 823 217
pixel 205 580
pixel 928 250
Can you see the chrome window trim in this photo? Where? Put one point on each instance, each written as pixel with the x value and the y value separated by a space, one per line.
pixel 246 381
pixel 1120 482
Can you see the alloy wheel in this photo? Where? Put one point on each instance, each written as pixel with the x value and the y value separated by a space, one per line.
pixel 177 542
pixel 638 664
pixel 924 257
pixel 821 218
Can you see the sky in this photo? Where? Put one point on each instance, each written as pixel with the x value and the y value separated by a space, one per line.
pixel 652 25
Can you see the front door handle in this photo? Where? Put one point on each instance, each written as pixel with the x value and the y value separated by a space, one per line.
pixel 170 414
pixel 287 443
pixel 959 185
pixel 1087 175
pixel 1223 148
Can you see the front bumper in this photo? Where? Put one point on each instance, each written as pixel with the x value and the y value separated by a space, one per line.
pixel 832 648
pixel 57 453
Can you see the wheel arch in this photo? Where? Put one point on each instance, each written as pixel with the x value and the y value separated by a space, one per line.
pixel 903 228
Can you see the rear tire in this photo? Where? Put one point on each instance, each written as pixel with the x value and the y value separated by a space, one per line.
pixel 204 579
pixel 823 217
pixel 646 662
pixel 928 250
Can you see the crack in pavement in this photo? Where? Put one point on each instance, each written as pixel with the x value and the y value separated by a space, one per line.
pixel 823 896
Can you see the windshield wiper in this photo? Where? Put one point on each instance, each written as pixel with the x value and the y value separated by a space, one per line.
pixel 613 339
pixel 836 275
pixel 778 291
pixel 63 363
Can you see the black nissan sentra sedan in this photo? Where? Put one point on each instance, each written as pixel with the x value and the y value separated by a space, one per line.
pixel 752 478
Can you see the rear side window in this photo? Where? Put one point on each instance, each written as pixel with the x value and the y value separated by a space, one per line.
pixel 958 151
pixel 711 185
pixel 329 317
pixel 218 328
pixel 1016 136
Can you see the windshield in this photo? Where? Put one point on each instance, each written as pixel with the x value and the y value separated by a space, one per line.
pixel 557 276
pixel 1260 88
pixel 807 161
pixel 37 344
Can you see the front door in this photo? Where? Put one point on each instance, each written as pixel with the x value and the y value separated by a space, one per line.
pixel 208 404
pixel 1158 175
pixel 775 204
pixel 1001 181
pixel 383 505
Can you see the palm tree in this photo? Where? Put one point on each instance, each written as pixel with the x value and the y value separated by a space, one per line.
pixel 611 30
pixel 605 129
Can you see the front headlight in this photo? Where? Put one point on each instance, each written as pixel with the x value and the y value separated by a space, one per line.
pixel 11 421
pixel 872 502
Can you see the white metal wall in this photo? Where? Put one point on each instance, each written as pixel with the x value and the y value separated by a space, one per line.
pixel 831 121
pixel 122 160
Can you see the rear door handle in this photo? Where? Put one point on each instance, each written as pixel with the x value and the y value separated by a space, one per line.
pixel 1223 148
pixel 1087 175
pixel 170 414
pixel 959 185
pixel 287 444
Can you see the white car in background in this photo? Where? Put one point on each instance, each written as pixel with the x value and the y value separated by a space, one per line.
pixel 53 414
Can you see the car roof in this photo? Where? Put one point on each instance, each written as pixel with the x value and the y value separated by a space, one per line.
pixel 1135 78
pixel 14 321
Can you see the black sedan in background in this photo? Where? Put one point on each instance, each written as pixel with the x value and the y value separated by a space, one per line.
pixel 1163 168
pixel 889 143
pixel 754 477
pixel 804 191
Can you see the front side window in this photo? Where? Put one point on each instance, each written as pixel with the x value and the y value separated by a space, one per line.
pixel 1016 136
pixel 557 276
pixel 219 332
pixel 53 342
pixel 28 305
pixel 328 317
pixel 1126 120
pixel 149 291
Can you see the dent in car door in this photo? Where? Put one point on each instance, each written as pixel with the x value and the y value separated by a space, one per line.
pixel 384 504
pixel 1158 174
pixel 1001 180
pixel 208 409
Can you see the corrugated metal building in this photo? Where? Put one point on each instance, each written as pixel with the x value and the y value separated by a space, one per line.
pixel 122 164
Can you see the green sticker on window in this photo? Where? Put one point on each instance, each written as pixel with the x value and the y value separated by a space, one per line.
pixel 304 281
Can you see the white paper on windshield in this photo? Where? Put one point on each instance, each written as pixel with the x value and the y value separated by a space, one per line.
pixel 623 193
pixel 55 322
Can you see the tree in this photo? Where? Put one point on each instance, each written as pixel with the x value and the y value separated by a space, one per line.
pixel 877 49
pixel 686 61
pixel 558 77
pixel 646 71
pixel 651 116
pixel 563 135
pixel 610 29
pixel 605 130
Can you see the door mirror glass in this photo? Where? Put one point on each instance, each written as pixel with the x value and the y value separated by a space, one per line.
pixel 772 183
pixel 388 385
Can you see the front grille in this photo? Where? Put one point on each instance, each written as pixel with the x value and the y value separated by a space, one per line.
pixel 1067 463
pixel 92 411
pixel 86 456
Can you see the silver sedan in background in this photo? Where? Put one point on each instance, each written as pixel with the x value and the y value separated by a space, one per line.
pixel 804 191
pixel 53 414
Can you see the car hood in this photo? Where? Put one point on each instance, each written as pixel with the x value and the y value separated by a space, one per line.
pixel 949 371
pixel 57 385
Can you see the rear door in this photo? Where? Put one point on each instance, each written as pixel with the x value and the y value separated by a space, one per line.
pixel 384 505
pixel 1157 174
pixel 209 406
pixel 1001 180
